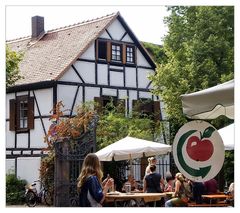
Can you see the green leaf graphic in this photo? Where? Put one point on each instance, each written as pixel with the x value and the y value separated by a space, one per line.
pixel 208 132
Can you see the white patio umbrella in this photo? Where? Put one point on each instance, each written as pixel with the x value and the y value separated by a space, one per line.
pixel 130 148
pixel 210 103
pixel 227 135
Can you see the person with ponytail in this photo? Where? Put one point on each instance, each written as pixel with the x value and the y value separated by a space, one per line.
pixel 180 195
pixel 90 187
pixel 151 161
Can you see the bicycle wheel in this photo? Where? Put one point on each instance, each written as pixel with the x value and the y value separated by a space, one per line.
pixel 31 199
pixel 48 198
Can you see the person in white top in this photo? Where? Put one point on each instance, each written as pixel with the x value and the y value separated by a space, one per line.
pixel 231 189
pixel 151 161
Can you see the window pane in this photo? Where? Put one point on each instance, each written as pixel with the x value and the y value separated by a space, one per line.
pixel 130 54
pixel 23 114
pixel 102 49
pixel 116 52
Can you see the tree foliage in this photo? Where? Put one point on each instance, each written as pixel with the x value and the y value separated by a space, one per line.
pixel 12 66
pixel 156 52
pixel 199 48
pixel 15 189
pixel 113 125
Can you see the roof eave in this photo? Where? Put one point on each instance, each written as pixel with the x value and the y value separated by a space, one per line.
pixel 139 45
pixel 31 86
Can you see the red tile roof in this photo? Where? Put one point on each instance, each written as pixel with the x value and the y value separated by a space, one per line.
pixel 51 55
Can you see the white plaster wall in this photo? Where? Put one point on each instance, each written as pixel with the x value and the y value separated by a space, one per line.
pixel 143 80
pixel 10 137
pixel 116 67
pixel 9 96
pixel 47 124
pixel 116 30
pixel 86 71
pixel 28 168
pixel 130 77
pixel 150 86
pixel 141 61
pixel 102 74
pixel 10 166
pixel 91 92
pixel 71 76
pixel 116 78
pixel 104 35
pixel 109 92
pixel 132 96
pixel 22 140
pixel 162 106
pixel 79 100
pixel 22 93
pixel 90 53
pixel 127 39
pixel 66 94
pixel 122 94
pixel 37 134
pixel 145 95
pixel 45 101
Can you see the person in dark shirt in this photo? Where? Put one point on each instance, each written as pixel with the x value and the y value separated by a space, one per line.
pixel 198 190
pixel 153 183
pixel 90 187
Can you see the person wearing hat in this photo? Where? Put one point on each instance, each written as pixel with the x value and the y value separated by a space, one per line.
pixel 180 198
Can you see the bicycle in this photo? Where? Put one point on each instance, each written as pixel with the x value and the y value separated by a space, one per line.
pixel 33 197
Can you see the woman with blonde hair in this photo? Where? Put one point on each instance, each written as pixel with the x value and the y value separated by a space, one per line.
pixel 91 189
pixel 151 161
pixel 180 198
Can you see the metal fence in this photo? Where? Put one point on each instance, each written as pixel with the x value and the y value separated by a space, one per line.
pixel 138 167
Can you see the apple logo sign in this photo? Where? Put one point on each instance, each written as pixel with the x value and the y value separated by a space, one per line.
pixel 200 149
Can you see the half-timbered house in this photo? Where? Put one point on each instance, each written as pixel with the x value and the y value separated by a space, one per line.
pixel 93 60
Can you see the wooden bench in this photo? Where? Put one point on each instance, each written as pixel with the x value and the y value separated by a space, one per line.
pixel 192 204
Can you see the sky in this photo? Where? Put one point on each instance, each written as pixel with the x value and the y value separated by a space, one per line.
pixel 146 22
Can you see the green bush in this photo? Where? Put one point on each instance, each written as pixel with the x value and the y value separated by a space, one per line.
pixel 15 189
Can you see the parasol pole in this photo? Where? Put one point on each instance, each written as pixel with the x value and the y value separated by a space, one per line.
pixel 131 169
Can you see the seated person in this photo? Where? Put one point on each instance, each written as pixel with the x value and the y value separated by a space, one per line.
pixel 180 198
pixel 231 189
pixel 211 186
pixel 231 193
pixel 198 190
pixel 133 183
pixel 169 184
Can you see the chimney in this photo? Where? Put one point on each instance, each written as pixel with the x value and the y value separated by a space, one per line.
pixel 37 26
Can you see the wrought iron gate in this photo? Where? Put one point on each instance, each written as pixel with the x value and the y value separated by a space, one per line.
pixel 69 156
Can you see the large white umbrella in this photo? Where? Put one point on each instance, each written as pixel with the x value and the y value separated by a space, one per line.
pixel 210 103
pixel 227 135
pixel 131 148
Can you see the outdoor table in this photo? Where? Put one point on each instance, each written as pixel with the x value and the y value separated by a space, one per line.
pixel 215 196
pixel 136 198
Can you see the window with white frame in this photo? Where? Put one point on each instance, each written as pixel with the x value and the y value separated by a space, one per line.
pixel 23 114
pixel 116 52
pixel 130 54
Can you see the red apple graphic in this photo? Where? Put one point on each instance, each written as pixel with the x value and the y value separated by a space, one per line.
pixel 199 150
